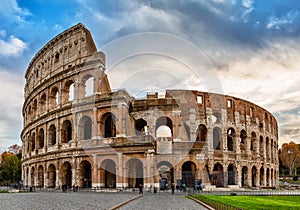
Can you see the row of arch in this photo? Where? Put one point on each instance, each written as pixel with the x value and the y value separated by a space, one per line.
pixel 52 176
pixel 164 128
pixel 57 96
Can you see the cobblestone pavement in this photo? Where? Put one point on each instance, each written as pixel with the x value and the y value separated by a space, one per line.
pixel 58 200
pixel 162 201
pixel 90 200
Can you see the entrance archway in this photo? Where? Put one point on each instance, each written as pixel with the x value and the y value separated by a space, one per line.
pixel 66 174
pixel 108 173
pixel 254 175
pixel 188 173
pixel 244 176
pixel 40 176
pixel 217 176
pixel 262 182
pixel 166 174
pixel 85 174
pixel 231 174
pixel 51 176
pixel 135 172
pixel 32 177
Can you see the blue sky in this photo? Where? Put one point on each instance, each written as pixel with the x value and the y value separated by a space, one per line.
pixel 253 46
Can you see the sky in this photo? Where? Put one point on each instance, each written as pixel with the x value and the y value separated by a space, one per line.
pixel 248 48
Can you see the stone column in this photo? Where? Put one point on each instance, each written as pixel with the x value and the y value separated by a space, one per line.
pixel 94 172
pixel 119 171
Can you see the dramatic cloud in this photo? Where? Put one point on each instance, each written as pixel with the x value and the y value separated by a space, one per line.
pixel 11 98
pixel 13 47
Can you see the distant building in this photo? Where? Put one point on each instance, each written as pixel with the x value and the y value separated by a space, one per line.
pixel 110 139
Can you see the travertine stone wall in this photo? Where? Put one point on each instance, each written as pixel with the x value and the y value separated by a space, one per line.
pixel 77 131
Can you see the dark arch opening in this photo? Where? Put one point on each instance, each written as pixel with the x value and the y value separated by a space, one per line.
pixel 140 125
pixel 135 173
pixel 189 170
pixel 201 133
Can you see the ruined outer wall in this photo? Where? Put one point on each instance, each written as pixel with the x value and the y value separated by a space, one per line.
pixel 233 139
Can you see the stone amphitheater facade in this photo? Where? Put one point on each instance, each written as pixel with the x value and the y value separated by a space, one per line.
pixel 105 138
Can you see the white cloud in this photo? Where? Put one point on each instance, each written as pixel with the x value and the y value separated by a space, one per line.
pixel 13 47
pixel 247 8
pixel 278 22
pixel 11 98
pixel 269 78
pixel 11 10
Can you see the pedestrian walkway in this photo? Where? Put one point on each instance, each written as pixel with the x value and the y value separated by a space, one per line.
pixel 154 201
pixel 93 200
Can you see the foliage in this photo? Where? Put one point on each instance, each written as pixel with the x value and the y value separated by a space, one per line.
pixel 290 156
pixel 257 202
pixel 295 178
pixel 10 168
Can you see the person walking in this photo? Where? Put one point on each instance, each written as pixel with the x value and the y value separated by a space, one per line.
pixel 173 188
pixel 141 189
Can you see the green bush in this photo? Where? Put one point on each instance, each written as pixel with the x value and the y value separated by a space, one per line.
pixel 295 178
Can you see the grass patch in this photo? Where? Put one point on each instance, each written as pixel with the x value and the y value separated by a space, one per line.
pixel 257 202
pixel 3 191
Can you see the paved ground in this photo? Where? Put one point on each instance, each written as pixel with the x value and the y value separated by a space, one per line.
pixel 89 200
pixel 162 201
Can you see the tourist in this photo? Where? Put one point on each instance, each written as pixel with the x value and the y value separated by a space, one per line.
pixel 141 189
pixel 173 188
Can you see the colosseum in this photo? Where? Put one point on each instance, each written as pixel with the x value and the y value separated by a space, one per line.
pixel 99 138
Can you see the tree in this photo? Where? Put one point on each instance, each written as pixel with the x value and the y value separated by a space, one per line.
pixel 290 156
pixel 10 168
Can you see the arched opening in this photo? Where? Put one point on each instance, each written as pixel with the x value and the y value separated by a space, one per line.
pixel 267 148
pixel 41 138
pixel 164 127
pixel 85 174
pixel 109 125
pixel 108 173
pixel 243 140
pixel 166 173
pixel 51 176
pixel 27 177
pixel 188 173
pixel 201 133
pixel 231 174
pixel 217 175
pixel 32 176
pixel 140 127
pixel 66 173
pixel 34 108
pixel 262 176
pixel 68 94
pixel 261 146
pixel 254 176
pixel 43 100
pixel 54 97
pixel 217 135
pixel 230 139
pixel 33 141
pixel 40 176
pixel 253 141
pixel 163 131
pixel 135 173
pixel 244 176
pixel 89 86
pixel 29 112
pixel 52 135
pixel 66 131
pixel 85 125
pixel 268 177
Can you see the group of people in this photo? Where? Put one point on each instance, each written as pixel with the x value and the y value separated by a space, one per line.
pixel 183 187
pixel 64 187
